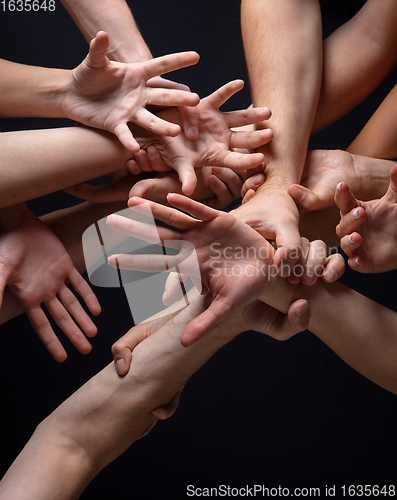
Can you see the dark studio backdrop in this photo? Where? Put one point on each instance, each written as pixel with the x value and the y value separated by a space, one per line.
pixel 261 411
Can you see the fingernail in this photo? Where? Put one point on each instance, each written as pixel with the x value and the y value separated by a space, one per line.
pixel 298 194
pixel 357 261
pixel 192 131
pixel 285 268
pixel 339 187
pixel 120 365
pixel 257 179
pixel 355 214
pixel 330 275
pixel 152 152
pixel 351 238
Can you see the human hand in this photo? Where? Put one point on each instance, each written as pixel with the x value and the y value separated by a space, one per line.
pixel 315 263
pixel 35 266
pixel 107 95
pixel 323 170
pixel 368 230
pixel 122 354
pixel 216 139
pixel 216 187
pixel 203 239
pixel 274 215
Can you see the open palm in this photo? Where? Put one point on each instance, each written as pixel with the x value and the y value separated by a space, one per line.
pixel 35 266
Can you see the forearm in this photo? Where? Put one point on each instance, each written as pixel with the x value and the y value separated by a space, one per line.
pixel 282 42
pixel 357 58
pixel 359 330
pixel 378 138
pixel 32 91
pixel 38 162
pixel 102 419
pixel 114 17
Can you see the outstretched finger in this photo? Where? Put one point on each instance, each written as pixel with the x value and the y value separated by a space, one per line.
pixel 247 116
pixel 149 121
pixel 46 334
pixel 251 140
pixel 159 82
pixel 62 318
pixel 241 161
pixel 71 304
pixel 194 208
pixel 220 96
pixel 167 97
pixel 168 215
pixel 99 45
pixel 170 62
pixel 124 135
pixel 145 231
pixel 85 291
pixel 151 263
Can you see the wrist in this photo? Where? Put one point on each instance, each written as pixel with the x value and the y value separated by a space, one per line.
pixel 56 90
pixel 372 177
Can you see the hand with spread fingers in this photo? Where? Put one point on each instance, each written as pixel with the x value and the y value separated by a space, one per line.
pixel 216 138
pixel 367 230
pixel 35 266
pixel 106 94
pixel 202 242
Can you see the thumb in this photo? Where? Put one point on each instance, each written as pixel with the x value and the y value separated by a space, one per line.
pixel 99 45
pixel 215 313
pixel 187 175
pixel 316 199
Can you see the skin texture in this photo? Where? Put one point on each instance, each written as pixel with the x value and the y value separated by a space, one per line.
pixel 282 40
pixel 98 93
pixel 216 138
pixel 367 229
pixel 64 453
pixel 221 244
pixel 37 277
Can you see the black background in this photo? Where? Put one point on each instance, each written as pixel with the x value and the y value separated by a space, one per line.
pixel 261 411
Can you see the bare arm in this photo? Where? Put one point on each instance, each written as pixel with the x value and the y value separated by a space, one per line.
pixel 283 47
pixel 378 139
pixel 114 17
pixel 38 162
pixel 64 454
pixel 357 58
pixel 359 330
